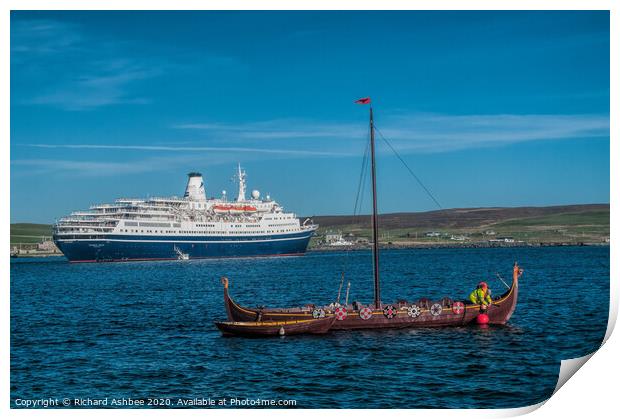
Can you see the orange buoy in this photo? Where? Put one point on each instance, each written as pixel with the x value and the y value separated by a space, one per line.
pixel 482 319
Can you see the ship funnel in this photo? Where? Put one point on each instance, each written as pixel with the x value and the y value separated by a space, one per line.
pixel 195 189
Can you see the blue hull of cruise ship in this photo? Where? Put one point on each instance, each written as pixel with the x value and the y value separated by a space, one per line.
pixel 118 248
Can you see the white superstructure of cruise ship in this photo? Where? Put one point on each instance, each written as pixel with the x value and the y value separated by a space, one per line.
pixel 185 227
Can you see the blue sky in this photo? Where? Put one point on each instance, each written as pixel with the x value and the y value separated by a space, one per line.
pixel 488 108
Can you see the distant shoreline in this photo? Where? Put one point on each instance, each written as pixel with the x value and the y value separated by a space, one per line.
pixel 454 246
pixel 386 247
pixel 36 255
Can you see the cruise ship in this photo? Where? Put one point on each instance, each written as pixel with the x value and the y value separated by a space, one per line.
pixel 190 227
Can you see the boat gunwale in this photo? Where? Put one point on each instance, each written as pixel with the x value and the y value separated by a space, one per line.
pixel 273 323
pixel 305 313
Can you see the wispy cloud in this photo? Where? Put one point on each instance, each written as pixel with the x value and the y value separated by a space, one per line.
pixel 88 168
pixel 43 37
pixel 422 132
pixel 174 157
pixel 437 133
pixel 101 73
pixel 283 151
pixel 103 168
pixel 279 129
pixel 95 90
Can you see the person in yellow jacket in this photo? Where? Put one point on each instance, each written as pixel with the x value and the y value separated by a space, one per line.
pixel 481 295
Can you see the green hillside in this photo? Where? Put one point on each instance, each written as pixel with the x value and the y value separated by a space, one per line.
pixel 562 224
pixel 29 233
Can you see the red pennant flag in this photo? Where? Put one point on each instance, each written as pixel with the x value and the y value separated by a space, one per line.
pixel 363 101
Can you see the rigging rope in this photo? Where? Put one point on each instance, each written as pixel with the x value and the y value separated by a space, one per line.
pixel 359 197
pixel 408 168
pixel 361 181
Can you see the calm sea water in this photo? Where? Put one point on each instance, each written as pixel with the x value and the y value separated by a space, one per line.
pixel 145 330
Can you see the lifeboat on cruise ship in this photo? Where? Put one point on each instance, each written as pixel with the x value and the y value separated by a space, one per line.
pixel 233 209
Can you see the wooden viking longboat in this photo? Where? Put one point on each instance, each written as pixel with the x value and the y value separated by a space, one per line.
pixel 277 328
pixel 423 313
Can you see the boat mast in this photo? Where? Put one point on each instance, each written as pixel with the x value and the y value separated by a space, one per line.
pixel 242 186
pixel 375 227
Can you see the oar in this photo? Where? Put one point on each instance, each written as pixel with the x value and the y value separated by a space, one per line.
pixel 501 279
pixel 340 288
pixel 503 282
